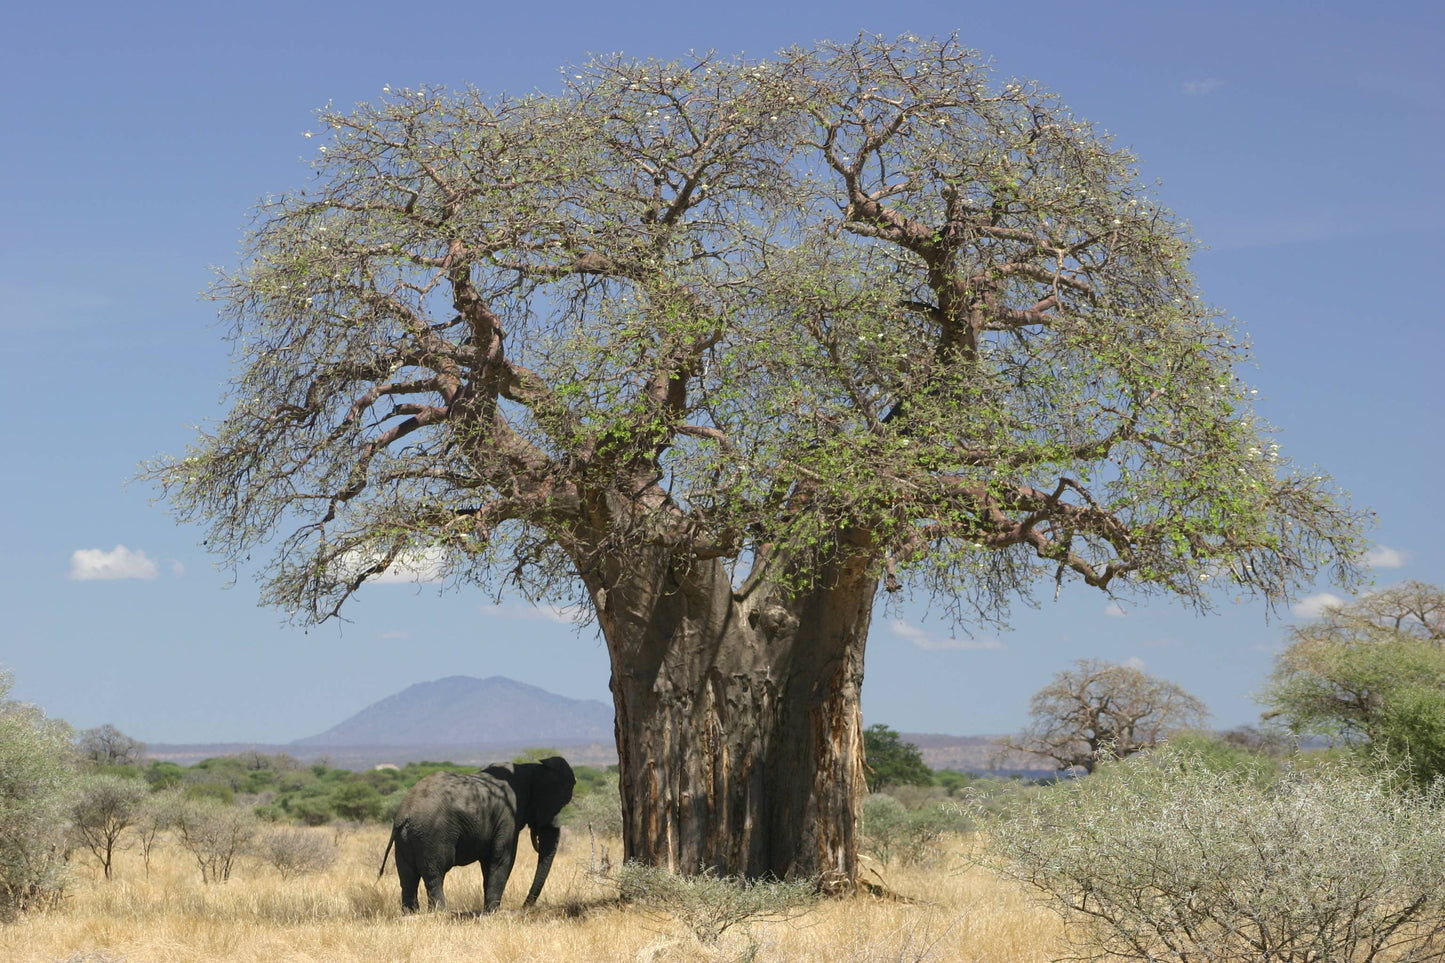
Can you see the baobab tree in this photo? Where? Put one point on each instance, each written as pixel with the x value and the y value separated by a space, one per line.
pixel 1095 709
pixel 722 350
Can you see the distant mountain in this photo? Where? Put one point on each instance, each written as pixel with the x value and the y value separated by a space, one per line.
pixel 463 711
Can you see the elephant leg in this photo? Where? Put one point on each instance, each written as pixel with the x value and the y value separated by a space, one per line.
pixel 409 881
pixel 434 888
pixel 407 874
pixel 495 872
pixel 434 892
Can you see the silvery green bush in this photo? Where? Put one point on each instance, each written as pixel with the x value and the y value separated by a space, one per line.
pixel 1159 857
pixel 599 810
pixel 892 830
pixel 36 776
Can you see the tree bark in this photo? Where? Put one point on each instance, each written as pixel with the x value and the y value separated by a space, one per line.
pixel 739 729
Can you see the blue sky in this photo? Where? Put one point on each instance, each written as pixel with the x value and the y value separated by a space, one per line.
pixel 1303 141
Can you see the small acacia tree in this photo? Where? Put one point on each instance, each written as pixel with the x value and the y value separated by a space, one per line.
pixel 104 807
pixel 214 833
pixel 716 348
pixel 1371 672
pixel 1099 707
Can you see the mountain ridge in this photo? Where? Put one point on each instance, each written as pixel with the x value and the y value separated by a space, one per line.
pixel 460 710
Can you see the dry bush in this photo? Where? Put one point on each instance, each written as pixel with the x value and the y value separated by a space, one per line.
pixel 709 905
pixel 296 852
pixel 215 834
pixel 1158 857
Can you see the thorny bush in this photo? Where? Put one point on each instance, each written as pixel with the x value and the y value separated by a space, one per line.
pixel 1159 857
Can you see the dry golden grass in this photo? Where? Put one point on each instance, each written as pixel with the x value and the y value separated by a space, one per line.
pixel 346 914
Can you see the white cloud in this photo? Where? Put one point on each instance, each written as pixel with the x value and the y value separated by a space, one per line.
pixel 1115 610
pixel 916 636
pixel 1313 606
pixel 1136 663
pixel 98 565
pixel 422 566
pixel 1198 88
pixel 1383 556
pixel 177 569
pixel 565 615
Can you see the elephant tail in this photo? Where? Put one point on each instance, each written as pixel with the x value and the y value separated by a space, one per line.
pixel 381 872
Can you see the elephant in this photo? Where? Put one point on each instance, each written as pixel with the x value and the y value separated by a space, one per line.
pixel 452 819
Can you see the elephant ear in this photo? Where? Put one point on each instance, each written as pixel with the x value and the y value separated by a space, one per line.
pixel 551 792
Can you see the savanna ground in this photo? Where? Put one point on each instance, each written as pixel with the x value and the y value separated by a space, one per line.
pixel 948 911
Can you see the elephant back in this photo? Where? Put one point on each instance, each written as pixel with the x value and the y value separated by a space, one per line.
pixel 457 804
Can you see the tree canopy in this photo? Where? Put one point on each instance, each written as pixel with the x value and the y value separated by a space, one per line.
pixel 1099 707
pixel 891 761
pixel 856 287
pixel 1370 672
pixel 717 347
pixel 108 746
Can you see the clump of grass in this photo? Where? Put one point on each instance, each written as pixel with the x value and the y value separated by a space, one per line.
pixel 708 905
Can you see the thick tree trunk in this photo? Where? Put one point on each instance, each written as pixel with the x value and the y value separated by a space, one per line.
pixel 738 723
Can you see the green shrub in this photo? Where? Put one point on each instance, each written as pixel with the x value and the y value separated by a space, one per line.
pixel 229 771
pixel 951 781
pixel 912 836
pixel 164 775
pixel 1162 857
pixel 311 810
pixel 384 781
pixel 215 791
pixel 1370 672
pixel 36 776
pixel 591 779
pixel 1216 754
pixel 270 813
pixel 356 801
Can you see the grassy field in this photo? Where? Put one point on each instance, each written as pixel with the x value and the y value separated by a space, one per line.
pixel 346 914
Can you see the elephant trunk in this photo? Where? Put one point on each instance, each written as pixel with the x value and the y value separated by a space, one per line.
pixel 544 841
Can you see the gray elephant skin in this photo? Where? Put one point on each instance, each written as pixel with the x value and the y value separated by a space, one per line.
pixel 452 819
